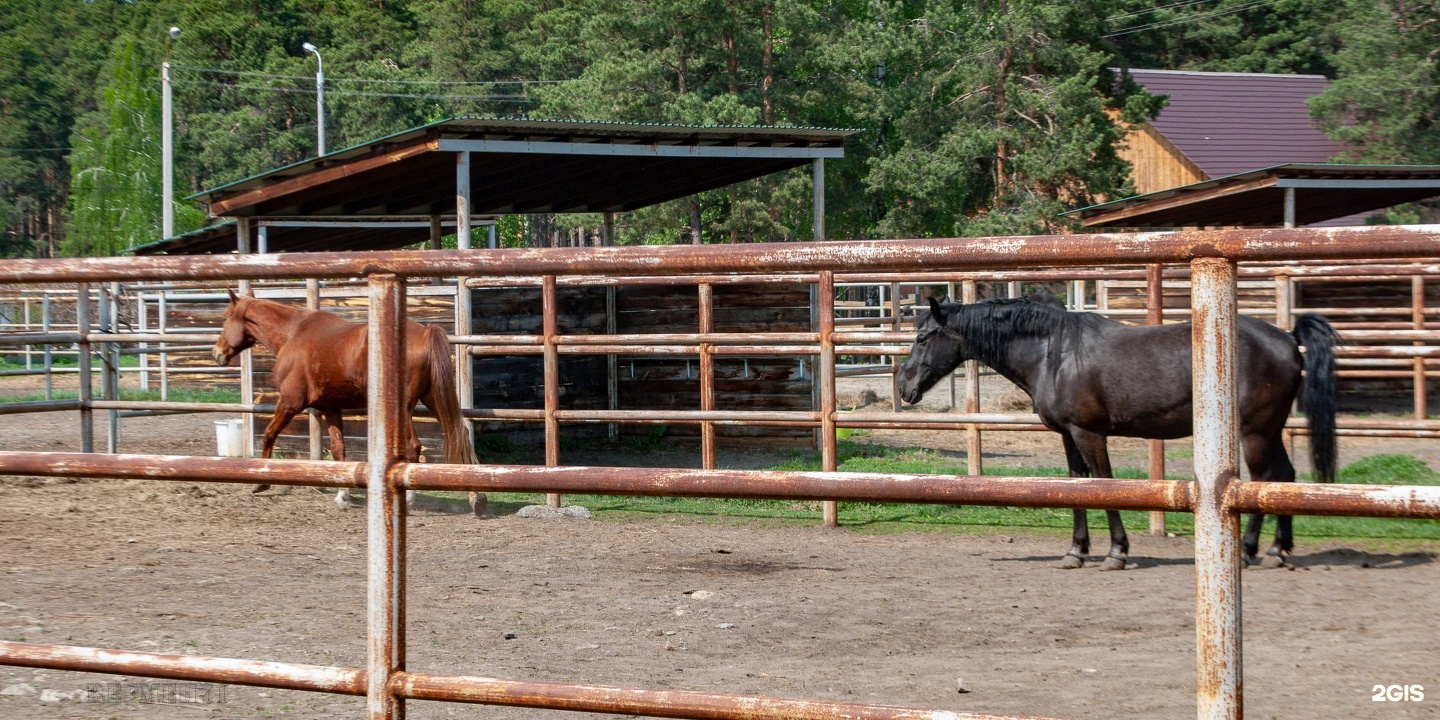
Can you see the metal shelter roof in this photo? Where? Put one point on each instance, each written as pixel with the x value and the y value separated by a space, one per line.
pixel 516 166
pixel 1257 198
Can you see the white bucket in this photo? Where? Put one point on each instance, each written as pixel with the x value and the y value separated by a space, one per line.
pixel 230 438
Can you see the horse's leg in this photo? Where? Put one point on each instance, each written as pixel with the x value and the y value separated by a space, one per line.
pixel 335 433
pixel 1080 537
pixel 412 452
pixel 1268 462
pixel 1093 449
pixel 284 413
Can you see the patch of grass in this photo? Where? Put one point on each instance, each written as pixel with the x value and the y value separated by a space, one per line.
pixel 215 395
pixel 889 518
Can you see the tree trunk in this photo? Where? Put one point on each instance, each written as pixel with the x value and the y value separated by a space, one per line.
pixel 693 205
pixel 767 61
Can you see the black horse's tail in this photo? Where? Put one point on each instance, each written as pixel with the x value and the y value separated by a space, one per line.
pixel 1319 397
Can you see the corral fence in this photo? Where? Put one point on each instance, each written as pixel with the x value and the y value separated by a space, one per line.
pixel 1383 310
pixel 1216 497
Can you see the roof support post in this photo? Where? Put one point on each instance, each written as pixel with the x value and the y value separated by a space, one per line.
pixel 464 375
pixel 817 174
pixel 462 199
pixel 1289 207
pixel 262 235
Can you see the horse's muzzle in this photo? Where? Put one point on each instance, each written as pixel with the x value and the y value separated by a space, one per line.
pixel 222 357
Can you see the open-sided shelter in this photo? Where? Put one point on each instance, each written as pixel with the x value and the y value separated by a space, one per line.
pixel 455 175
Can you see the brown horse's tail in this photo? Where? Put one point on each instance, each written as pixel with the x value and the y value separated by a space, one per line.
pixel 444 402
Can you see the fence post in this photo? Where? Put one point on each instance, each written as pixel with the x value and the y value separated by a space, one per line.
pixel 974 461
pixel 1155 315
pixel 82 326
pixel 1217 530
pixel 825 377
pixel 706 306
pixel 549 309
pixel 385 504
pixel 1417 316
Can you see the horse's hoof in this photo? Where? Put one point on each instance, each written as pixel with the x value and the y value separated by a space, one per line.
pixel 259 488
pixel 1270 562
pixel 1113 563
pixel 481 507
pixel 1071 562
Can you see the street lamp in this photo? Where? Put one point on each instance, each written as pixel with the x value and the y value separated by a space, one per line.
pixel 319 92
pixel 167 145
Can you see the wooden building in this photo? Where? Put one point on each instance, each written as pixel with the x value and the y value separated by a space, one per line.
pixel 1217 124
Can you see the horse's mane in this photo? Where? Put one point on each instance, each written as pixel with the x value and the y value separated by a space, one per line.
pixel 992 325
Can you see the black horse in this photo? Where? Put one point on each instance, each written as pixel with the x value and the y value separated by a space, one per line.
pixel 1091 377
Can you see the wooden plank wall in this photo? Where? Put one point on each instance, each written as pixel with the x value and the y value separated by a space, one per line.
pixel 1156 164
pixel 648 382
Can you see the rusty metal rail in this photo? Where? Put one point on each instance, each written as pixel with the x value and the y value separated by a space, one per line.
pixel 1216 496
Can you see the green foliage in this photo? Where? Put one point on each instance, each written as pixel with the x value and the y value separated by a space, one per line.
pixel 974 118
pixel 116 165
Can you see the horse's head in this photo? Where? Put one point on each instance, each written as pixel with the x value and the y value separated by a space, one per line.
pixel 936 353
pixel 234 338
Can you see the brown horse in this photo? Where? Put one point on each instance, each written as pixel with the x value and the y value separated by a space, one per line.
pixel 321 363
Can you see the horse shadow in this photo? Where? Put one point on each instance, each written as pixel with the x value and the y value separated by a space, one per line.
pixel 1350 557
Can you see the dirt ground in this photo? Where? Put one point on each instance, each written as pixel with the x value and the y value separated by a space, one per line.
pixel 673 603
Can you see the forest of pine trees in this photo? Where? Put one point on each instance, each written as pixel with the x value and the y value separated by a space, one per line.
pixel 975 117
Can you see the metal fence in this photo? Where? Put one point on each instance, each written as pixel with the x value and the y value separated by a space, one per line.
pixel 1216 496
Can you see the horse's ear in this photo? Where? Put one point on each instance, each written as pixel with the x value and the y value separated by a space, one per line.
pixel 935 310
pixel 233 298
pixel 1043 296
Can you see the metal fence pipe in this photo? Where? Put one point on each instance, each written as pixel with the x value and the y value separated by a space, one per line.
pixel 40 338
pixel 287 676
pixel 1393 351
pixel 1052 492
pixel 1393 501
pixel 916 417
pixel 762 350
pixel 187 468
pixel 1332 244
pixel 167 405
pixel 713 338
pixel 688 415
pixel 652 703
pixel 535 340
pixel 16 408
pixel 208 338
pixel 844 338
pixel 902 425
pixel 1219 680
pixel 642 280
pixel 385 505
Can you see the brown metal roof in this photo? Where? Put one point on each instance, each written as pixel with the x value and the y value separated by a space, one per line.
pixel 372 234
pixel 1228 123
pixel 1257 198
pixel 524 166
pixel 517 166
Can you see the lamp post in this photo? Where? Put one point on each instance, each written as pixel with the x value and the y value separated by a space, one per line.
pixel 319 93
pixel 167 144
